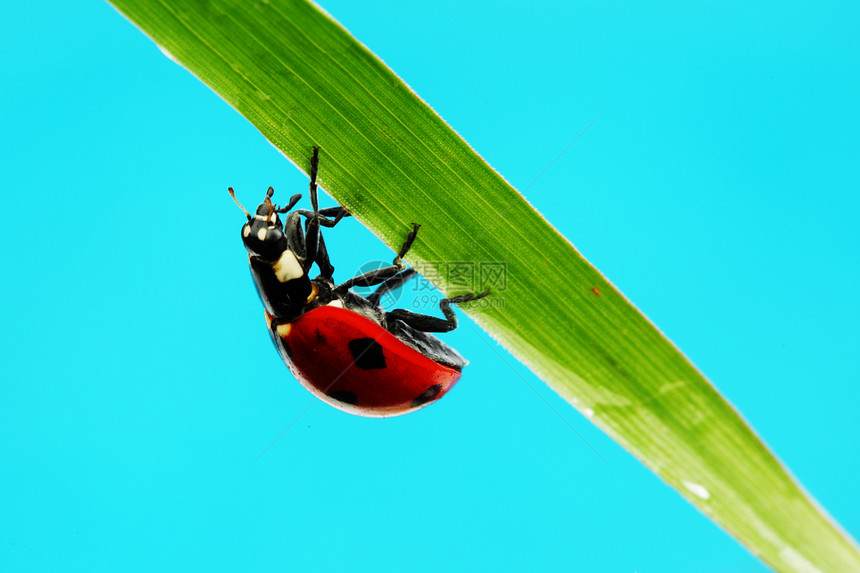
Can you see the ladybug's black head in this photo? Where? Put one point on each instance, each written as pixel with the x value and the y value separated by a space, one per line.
pixel 263 234
pixel 280 278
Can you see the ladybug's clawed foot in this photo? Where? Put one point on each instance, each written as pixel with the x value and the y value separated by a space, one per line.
pixel 468 297
pixel 426 323
pixel 340 215
pixel 398 260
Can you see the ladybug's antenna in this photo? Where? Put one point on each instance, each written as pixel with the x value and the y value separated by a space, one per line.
pixel 233 195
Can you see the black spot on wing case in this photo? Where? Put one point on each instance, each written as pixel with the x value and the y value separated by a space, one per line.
pixel 429 394
pixel 367 354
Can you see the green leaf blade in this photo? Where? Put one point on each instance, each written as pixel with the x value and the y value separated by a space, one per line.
pixel 302 80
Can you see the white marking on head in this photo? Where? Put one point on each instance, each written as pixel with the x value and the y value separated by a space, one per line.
pixel 246 230
pixel 287 267
pixel 284 329
pixel 271 218
pixel 336 303
pixel 261 234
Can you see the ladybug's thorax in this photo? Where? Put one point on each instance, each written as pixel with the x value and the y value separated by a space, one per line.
pixel 283 286
pixel 287 267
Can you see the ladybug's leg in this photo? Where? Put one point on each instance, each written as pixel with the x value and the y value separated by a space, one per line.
pixel 427 323
pixel 371 278
pixel 337 212
pixel 295 236
pixel 314 247
pixel 322 259
pixel 293 200
pixel 312 228
pixel 378 276
pixel 407 244
pixel 391 284
pixel 324 215
pixel 323 262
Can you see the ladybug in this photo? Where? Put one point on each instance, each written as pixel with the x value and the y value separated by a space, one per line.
pixel 345 348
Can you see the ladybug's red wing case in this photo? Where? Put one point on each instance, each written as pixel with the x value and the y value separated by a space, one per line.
pixel 356 365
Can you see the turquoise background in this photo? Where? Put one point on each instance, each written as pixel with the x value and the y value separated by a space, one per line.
pixel 718 190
